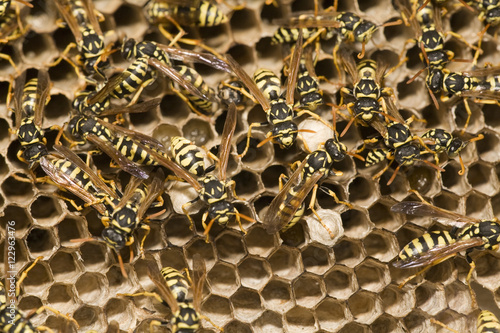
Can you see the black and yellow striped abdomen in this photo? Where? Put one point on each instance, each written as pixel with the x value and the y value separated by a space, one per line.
pixel 424 243
pixel 188 155
pixel 192 76
pixel 176 282
pixel 268 83
pixel 487 322
pixel 136 75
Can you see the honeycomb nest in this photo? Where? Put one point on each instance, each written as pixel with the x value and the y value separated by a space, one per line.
pixel 298 281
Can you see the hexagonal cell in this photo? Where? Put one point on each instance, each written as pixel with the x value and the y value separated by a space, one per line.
pixel 386 323
pixel 380 214
pixel 245 56
pixel 372 275
pixel 247 183
pixel 356 223
pixel 218 309
pixel 91 288
pixel 223 279
pixel 130 21
pixel 254 272
pixel 430 298
pixel 61 297
pixel 308 290
pixel 277 295
pixel 71 227
pixel 93 256
pixel 487 268
pixel 452 320
pixel 295 236
pixel 354 328
pixel 486 148
pixel 381 245
pixel 205 250
pixel 88 316
pixel 259 242
pixel 64 266
pixel 315 259
pixel 244 24
pixel 361 192
pixel 478 206
pixel 45 210
pixel 349 252
pixel 443 273
pixel 38 280
pixel 341 282
pixel 300 319
pixel 29 303
pixel 332 314
pixel 177 230
pixel 174 109
pixel 365 306
pixel 458 297
pixel 482 178
pixel 286 263
pixel 197 131
pixel 246 304
pixel 256 159
pixel 117 282
pixel 20 217
pixel 41 242
pixel 236 326
pixel 38 49
pixel 120 310
pixel 396 301
pixel 268 322
pixel 17 191
pixel 452 181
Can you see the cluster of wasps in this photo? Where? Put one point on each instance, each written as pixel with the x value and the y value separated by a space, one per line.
pixel 98 117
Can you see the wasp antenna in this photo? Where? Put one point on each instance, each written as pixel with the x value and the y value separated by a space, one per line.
pixel 462 166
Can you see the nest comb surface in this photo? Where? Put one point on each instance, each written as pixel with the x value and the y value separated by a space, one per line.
pixel 299 281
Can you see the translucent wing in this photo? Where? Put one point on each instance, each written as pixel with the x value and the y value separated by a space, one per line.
pixel 64 8
pixel 156 188
pixel 439 253
pixel 108 88
pixel 91 13
pixel 294 69
pixel 134 135
pixel 129 191
pixel 42 92
pixel 191 56
pixel 136 108
pixel 422 209
pixel 349 65
pixel 248 82
pixel 199 277
pixel 163 290
pixel 225 146
pixel 18 97
pixel 308 19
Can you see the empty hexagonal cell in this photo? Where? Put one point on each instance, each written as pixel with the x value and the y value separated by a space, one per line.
pixel 447 201
pixel 120 310
pixel 487 268
pixel 174 109
pixel 316 259
pixel 38 48
pixel 29 303
pixel 64 266
pixel 300 319
pixel 20 217
pixel 483 179
pixel 45 210
pixel 340 282
pixel 117 282
pixel 17 191
pixel 202 248
pixel 254 272
pixel 332 314
pixel 247 183
pixel 458 297
pixel 256 158
pixel 91 288
pixel 477 205
pixel 372 275
pixel 308 290
pixel 259 242
pixel 218 309
pixel 172 257
pixel 286 263
pixel 386 323
pixel 430 298
pixel 452 320
pixel 41 242
pixel 270 177
pixel 246 304
pixel 356 223
pixel 223 279
pixel 71 227
pixel 20 251
pixel 237 326
pixel 244 24
pixel 295 236
pixel 396 301
pixel 365 306
pixel 88 316
pixel 93 256
pixel 61 297
pixel 177 230
pixel 452 181
pixel 381 245
pixel 349 252
pixel 380 214
pixel 130 21
pixel 487 147
pixel 362 192
pixel 442 273
pixel 38 279
pixel 277 295
pixel 269 321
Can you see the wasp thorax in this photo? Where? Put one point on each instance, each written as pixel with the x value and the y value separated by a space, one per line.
pixel 113 238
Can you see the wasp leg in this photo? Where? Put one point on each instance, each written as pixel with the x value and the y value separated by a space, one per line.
pixel 191 106
pixel 25 274
pixel 437 322
pixel 144 293
pixel 408 279
pixel 249 135
pixel 311 207
pixel 56 312
pixel 147 230
pixel 64 56
pixel 11 61
pixel 187 204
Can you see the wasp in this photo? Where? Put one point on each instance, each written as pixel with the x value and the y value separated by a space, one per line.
pixel 11 28
pixel 5 6
pixel 288 205
pixel 200 13
pixel 128 214
pixel 311 96
pixel 279 111
pixel 211 189
pixel 117 142
pixel 233 92
pixel 432 248
pixel 367 90
pixel 186 313
pixel 444 141
pixel 29 102
pixel 80 15
pixel 11 319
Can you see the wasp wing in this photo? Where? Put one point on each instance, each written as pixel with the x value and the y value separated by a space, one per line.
pixel 42 92
pixel 136 108
pixel 64 8
pixel 294 70
pixel 225 146
pixel 199 277
pixel 156 188
pixel 164 292
pixel 18 97
pixel 199 57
